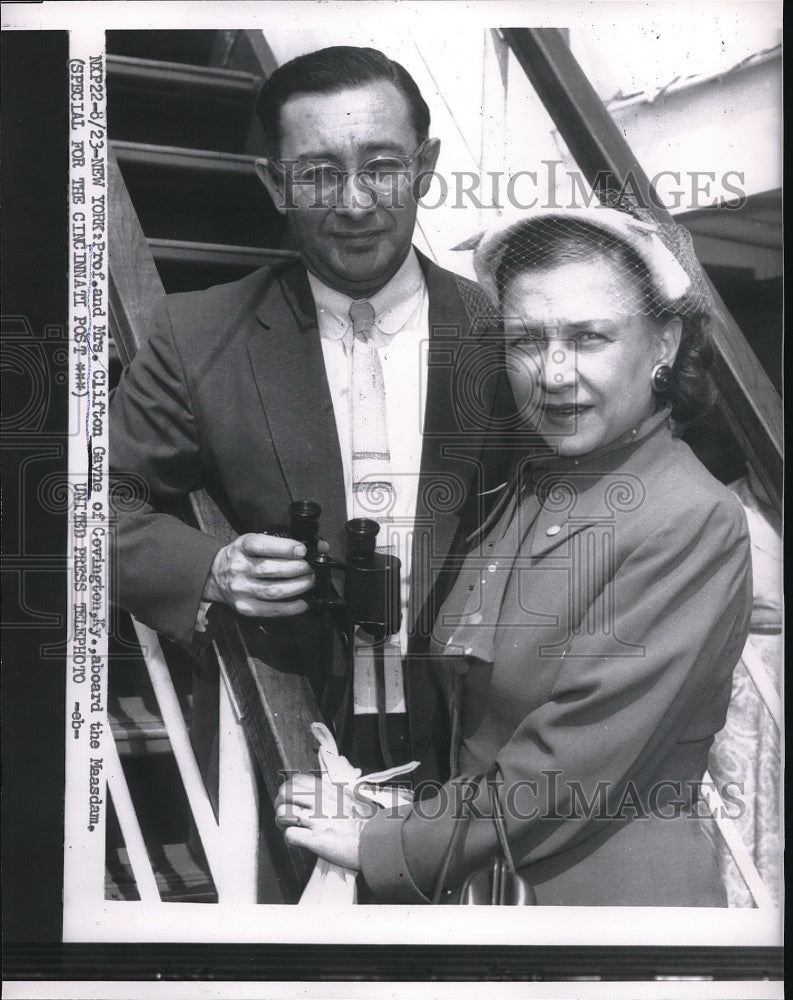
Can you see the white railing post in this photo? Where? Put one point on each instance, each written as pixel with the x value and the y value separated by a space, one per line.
pixel 238 807
pixel 137 854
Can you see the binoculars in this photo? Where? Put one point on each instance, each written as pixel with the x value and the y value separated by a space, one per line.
pixel 370 599
pixel 371 594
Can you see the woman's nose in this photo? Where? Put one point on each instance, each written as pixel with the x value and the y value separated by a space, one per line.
pixel 558 365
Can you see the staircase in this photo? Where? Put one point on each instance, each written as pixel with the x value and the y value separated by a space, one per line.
pixel 185 138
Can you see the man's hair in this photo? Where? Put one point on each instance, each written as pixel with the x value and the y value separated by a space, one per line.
pixel 328 71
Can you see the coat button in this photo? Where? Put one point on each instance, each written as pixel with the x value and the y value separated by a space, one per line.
pixel 553 530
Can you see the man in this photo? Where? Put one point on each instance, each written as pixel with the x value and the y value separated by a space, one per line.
pixel 271 389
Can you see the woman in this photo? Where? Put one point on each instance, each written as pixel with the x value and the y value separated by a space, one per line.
pixel 587 646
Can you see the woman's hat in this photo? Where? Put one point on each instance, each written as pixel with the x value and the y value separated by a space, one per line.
pixel 652 242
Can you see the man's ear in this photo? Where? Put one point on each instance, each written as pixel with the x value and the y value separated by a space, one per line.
pixel 428 159
pixel 265 171
pixel 668 338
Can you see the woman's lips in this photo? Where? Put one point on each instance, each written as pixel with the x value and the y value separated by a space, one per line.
pixel 563 415
pixel 565 409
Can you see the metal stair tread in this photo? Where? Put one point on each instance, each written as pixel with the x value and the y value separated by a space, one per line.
pixel 183 157
pixel 177 872
pixel 213 78
pixel 136 728
pixel 163 248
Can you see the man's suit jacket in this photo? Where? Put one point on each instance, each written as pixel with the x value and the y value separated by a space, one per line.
pixel 230 394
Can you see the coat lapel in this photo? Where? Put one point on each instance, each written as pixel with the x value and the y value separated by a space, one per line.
pixel 287 361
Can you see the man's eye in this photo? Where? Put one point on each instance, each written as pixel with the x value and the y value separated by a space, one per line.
pixel 383 170
pixel 324 174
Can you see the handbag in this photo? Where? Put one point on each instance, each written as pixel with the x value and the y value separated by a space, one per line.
pixel 496 884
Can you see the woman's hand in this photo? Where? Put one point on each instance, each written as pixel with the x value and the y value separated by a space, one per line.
pixel 326 818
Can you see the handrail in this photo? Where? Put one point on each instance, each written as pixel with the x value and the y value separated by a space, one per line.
pixel 747 397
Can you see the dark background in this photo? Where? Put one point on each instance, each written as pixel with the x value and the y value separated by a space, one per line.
pixel 35 316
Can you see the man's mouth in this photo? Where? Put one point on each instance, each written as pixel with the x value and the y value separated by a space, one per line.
pixel 358 234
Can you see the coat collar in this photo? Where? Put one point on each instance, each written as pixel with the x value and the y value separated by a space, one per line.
pixel 576 494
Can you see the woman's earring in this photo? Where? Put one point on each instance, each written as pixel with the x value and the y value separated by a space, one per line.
pixel 661 379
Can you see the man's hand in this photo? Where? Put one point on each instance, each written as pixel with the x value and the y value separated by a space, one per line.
pixel 326 817
pixel 261 576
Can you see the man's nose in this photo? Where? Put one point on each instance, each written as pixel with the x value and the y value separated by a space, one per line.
pixel 355 199
pixel 558 368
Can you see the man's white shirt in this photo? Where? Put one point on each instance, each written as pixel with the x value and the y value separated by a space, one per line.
pixel 402 314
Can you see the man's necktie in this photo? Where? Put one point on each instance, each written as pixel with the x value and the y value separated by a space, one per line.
pixel 372 493
pixel 372 487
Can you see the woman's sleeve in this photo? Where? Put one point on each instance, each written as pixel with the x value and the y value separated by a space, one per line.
pixel 683 596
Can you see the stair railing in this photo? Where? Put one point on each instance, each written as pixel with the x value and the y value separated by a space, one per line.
pixel 260 708
pixel 231 842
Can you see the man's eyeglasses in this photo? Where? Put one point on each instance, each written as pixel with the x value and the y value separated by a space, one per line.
pixel 326 180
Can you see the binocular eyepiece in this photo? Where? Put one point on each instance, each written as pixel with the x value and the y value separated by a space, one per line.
pixel 371 579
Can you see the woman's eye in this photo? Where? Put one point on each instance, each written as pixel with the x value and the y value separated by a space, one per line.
pixel 525 339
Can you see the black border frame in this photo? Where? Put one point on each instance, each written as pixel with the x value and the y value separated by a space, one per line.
pixel 34 283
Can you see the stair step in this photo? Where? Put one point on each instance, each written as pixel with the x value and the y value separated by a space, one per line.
pixel 217 162
pixel 185 266
pixel 156 73
pixel 180 877
pixel 198 195
pixel 136 729
pixel 177 104
pixel 132 709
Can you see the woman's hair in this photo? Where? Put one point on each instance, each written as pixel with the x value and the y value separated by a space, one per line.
pixel 328 71
pixel 548 242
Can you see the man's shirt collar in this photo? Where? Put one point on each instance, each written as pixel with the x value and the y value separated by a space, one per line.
pixel 393 305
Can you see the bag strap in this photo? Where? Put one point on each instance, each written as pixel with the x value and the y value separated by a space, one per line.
pixel 455 741
pixel 498 818
pixel 461 826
